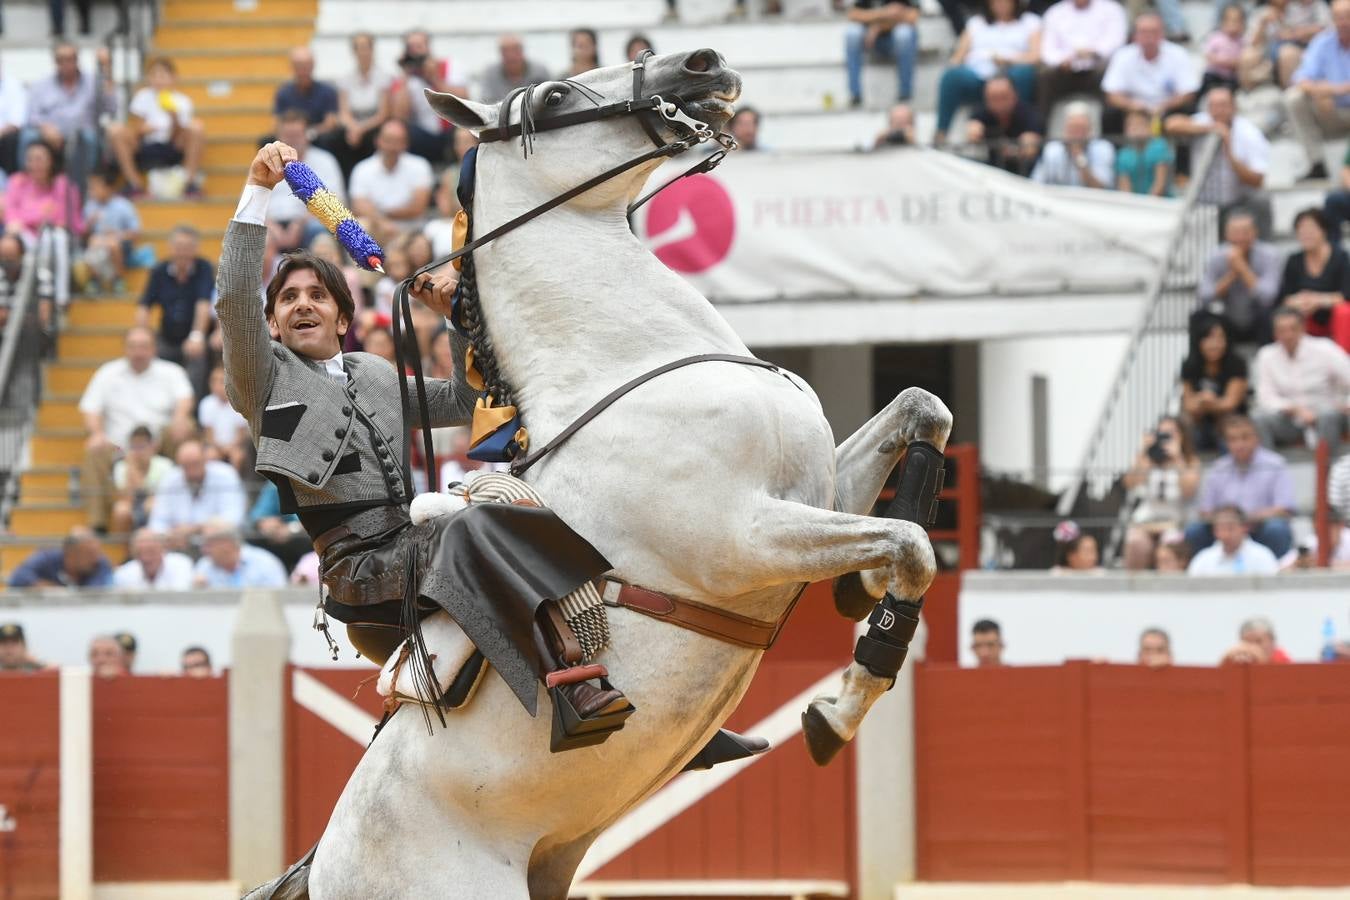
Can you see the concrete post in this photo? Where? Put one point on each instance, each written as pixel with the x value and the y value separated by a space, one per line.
pixel 258 696
pixel 885 785
pixel 842 378
pixel 76 805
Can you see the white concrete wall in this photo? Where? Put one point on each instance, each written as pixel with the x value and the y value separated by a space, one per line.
pixel 1079 368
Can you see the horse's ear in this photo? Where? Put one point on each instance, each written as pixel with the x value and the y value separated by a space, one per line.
pixel 462 113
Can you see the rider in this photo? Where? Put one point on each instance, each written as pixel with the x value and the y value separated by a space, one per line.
pixel 329 431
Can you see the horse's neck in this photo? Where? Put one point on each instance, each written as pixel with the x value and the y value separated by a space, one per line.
pixel 576 305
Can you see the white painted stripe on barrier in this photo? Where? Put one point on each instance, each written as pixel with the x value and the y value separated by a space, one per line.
pixel 332 707
pixel 168 890
pixel 768 887
pixel 76 805
pixel 685 790
pixel 1087 890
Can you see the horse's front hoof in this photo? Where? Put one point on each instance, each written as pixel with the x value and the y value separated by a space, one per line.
pixel 822 741
pixel 851 599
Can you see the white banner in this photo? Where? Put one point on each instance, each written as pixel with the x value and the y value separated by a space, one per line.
pixel 895 223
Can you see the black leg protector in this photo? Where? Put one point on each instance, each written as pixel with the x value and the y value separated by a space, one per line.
pixel 882 650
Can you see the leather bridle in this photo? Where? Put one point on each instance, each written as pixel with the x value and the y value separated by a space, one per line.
pixel 652 112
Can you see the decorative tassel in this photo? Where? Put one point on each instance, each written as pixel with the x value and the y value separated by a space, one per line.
pixel 333 215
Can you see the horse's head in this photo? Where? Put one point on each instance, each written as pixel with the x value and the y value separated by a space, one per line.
pixel 569 142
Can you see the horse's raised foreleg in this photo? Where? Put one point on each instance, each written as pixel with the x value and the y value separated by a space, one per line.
pixel 864 461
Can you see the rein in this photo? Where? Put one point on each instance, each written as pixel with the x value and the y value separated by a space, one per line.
pixel 652 113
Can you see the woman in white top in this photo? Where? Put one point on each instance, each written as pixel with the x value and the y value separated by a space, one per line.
pixel 1002 39
pixel 160 130
pixel 363 105
pixel 1163 479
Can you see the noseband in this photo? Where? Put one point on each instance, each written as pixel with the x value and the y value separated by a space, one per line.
pixel 652 112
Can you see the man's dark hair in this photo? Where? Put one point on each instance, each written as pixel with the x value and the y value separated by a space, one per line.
pixel 142 431
pixel 293 115
pixel 185 231
pixel 1234 420
pixel 328 274
pixel 1155 630
pixel 1231 510
pixel 106 174
pixel 1286 312
pixel 745 111
pixel 986 626
pixel 195 649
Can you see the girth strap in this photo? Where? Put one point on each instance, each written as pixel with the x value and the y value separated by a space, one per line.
pixel 706 620
pixel 519 466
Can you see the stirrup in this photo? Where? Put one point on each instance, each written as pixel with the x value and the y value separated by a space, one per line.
pixel 570 730
pixel 726 746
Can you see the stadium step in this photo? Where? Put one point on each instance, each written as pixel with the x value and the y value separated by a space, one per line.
pixel 208 94
pixel 63 414
pixel 237 10
pixel 210 244
pixel 255 120
pixel 52 519
pixel 253 34
pixel 101 312
pixel 47 484
pixel 14 551
pixel 95 342
pixel 230 150
pixel 56 447
pixel 164 215
pixel 65 378
pixel 228 63
pixel 225 181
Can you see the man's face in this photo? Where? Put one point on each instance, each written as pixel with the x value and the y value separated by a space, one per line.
pixel 901 118
pixel 139 349
pixel 1288 332
pixel 81 558
pixel 160 78
pixel 106 658
pixel 392 140
pixel 1154 650
pixel 1077 128
pixel 183 248
pixel 1259 637
pixel 1221 105
pixel 1000 98
pixel 306 318
pixel 1240 232
pixel 745 129
pixel 223 552
pixel 13 652
pixel 1148 34
pixel 196 665
pixel 1230 531
pixel 293 133
pixel 417 45
pixel 1242 442
pixel 192 460
pixel 513 55
pixel 1340 17
pixel 148 550
pixel 302 64
pixel 67 63
pixel 988 648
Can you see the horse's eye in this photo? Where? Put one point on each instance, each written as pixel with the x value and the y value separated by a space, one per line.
pixel 555 98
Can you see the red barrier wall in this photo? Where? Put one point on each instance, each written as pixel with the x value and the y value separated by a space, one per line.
pixel 161 779
pixel 30 785
pixel 1117 773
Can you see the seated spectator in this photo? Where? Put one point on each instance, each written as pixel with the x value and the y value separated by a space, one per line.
pixel 107 658
pixel 78 563
pixel 227 562
pixel 1336 206
pixel 1213 382
pixel 1316 278
pixel 1162 483
pixel 11 274
pixel 64 110
pixel 888 28
pixel 1256 644
pixel 636 45
pixel 1078 159
pixel 1003 40
pixel 1279 33
pixel 42 208
pixel 380 341
pixel 1304 556
pixel 152 566
pixel 1241 281
pixel 1078 37
pixel 512 71
pixel 585 44
pixel 899 128
pixel 198 491
pixel 1007 131
pixel 428 133
pixel 137 389
pixel 441 230
pixel 1318 100
pixel 195 663
pixel 986 642
pixel 289 223
pixel 1144 162
pixel 113 226
pixel 1238 172
pixel 1155 648
pixel 1151 76
pixel 393 187
pixel 1076 552
pixel 1172 554
pixel 127 641
pixel 14 655
pixel 1223 50
pixel 1302 386
pixel 744 127
pixel 1233 552
pixel 279 532
pixel 363 106
pixel 135 477
pixel 306 570
pixel 182 286
pixel 160 132
pixel 224 431
pixel 1253 479
pixel 318 100
pixel 325 247
pixel 13 116
pixel 440 361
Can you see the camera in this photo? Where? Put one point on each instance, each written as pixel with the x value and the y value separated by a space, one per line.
pixel 411 63
pixel 896 139
pixel 1157 451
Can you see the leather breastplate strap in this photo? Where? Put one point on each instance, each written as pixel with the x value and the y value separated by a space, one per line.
pixel 706 620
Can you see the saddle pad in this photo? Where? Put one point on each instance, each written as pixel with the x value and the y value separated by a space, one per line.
pixel 449 649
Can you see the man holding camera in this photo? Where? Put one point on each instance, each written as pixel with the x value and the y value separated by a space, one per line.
pixel 429 134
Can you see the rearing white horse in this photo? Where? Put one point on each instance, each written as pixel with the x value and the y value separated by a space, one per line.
pixel 716 483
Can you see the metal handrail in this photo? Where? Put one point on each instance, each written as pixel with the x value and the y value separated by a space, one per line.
pixel 18 316
pixel 1146 385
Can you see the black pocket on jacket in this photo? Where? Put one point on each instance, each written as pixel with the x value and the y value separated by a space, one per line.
pixel 349 463
pixel 280 422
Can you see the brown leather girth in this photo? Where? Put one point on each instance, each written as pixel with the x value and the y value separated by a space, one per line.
pixel 706 620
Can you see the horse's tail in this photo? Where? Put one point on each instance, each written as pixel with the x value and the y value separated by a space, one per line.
pixel 294 885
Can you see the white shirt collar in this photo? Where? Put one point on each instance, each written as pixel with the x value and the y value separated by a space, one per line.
pixel 333 366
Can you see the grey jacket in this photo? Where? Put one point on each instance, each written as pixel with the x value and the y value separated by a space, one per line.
pixel 324 445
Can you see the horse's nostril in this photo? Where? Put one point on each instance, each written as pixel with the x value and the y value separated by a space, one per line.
pixel 702 61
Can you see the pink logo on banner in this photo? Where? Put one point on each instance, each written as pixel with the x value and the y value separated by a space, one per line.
pixel 691 224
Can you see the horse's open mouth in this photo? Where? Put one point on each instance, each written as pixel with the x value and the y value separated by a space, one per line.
pixel 715 109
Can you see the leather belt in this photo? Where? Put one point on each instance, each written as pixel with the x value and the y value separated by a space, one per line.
pixel 706 620
pixel 366 523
